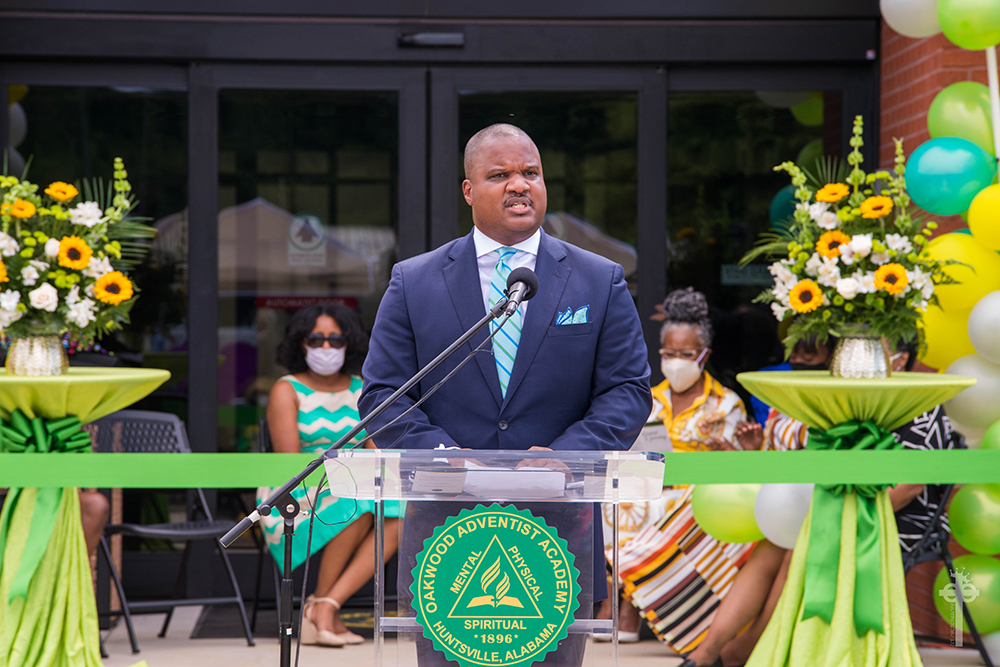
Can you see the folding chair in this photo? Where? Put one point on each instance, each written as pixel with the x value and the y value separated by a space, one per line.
pixel 137 431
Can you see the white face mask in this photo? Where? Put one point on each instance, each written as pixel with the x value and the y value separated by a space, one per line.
pixel 325 360
pixel 681 373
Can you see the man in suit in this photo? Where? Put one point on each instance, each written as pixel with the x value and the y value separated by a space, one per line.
pixel 567 372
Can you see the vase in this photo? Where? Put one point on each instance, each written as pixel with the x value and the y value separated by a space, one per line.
pixel 37 356
pixel 860 355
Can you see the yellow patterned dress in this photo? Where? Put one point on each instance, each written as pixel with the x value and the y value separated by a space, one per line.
pixel 672 571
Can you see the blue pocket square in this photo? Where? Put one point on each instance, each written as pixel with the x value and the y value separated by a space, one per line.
pixel 569 317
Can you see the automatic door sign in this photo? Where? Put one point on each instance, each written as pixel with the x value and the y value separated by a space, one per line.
pixel 306 240
pixel 495 586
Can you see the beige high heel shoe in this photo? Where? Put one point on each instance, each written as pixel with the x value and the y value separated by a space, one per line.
pixel 347 636
pixel 310 633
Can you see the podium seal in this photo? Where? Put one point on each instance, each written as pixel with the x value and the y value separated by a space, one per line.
pixel 495 586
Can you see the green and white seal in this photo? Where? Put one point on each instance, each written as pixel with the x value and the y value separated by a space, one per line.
pixel 495 586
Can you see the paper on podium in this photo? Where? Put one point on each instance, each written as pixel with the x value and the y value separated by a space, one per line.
pixel 653 438
pixel 533 483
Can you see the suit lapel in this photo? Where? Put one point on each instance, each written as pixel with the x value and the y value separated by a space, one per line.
pixel 552 276
pixel 461 276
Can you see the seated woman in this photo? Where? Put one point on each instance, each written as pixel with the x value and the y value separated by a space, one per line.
pixel 673 572
pixel 308 411
pixel 757 587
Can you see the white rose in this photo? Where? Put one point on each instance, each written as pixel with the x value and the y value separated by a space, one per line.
pixel 44 298
pixel 8 317
pixel 81 314
pixel 97 267
pixel 899 243
pixel 8 246
pixel 861 244
pixel 879 258
pixel 847 254
pixel 52 248
pixel 848 288
pixel 829 272
pixel 86 213
pixel 29 275
pixel 9 299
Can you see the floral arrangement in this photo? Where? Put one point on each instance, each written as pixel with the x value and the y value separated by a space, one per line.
pixel 852 259
pixel 64 259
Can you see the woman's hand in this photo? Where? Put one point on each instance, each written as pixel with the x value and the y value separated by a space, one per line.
pixel 750 436
pixel 720 445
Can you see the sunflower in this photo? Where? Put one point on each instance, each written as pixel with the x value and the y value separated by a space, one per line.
pixel 891 278
pixel 113 288
pixel 19 209
pixel 832 192
pixel 74 253
pixel 829 244
pixel 875 207
pixel 806 296
pixel 3 273
pixel 61 191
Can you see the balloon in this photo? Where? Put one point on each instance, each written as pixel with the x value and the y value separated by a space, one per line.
pixel 17 127
pixel 946 335
pixel 783 206
pixel 810 112
pixel 780 510
pixel 963 110
pixel 783 99
pixel 970 24
pixel 991 438
pixel 980 589
pixel 811 156
pixel 911 18
pixel 944 174
pixel 15 163
pixel 976 406
pixel 984 217
pixel 991 643
pixel 974 516
pixel 973 283
pixel 725 511
pixel 984 325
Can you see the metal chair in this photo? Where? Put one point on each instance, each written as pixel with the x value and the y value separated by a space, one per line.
pixel 138 431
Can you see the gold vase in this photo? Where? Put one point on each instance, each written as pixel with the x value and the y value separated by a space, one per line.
pixel 860 356
pixel 36 356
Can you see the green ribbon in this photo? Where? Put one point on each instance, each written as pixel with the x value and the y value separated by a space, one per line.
pixel 45 436
pixel 823 558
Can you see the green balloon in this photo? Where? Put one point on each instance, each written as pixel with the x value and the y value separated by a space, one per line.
pixel 982 584
pixel 970 24
pixel 810 112
pixel 991 440
pixel 810 155
pixel 974 516
pixel 725 511
pixel 962 110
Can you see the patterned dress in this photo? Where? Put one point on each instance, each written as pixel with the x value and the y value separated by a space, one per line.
pixel 672 571
pixel 323 419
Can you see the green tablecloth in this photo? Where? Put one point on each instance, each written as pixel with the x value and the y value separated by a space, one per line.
pixel 823 402
pixel 55 624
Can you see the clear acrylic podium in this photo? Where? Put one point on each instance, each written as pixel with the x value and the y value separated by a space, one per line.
pixel 429 488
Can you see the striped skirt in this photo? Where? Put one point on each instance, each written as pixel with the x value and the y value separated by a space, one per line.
pixel 676 575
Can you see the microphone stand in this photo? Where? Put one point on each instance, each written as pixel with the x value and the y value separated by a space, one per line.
pixel 283 502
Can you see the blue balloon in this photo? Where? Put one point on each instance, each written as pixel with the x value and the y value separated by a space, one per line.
pixel 944 175
pixel 783 207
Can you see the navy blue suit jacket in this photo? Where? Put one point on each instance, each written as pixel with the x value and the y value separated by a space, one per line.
pixel 573 386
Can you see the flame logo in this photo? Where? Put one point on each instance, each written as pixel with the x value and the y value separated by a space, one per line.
pixel 499 596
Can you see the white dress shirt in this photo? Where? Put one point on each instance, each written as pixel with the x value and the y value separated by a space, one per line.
pixel 488 254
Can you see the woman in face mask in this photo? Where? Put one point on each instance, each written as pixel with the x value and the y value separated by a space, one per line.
pixel 699 414
pixel 308 410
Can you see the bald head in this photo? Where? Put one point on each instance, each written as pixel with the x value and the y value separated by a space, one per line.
pixel 487 134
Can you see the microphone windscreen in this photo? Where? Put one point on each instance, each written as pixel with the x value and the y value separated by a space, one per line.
pixel 527 276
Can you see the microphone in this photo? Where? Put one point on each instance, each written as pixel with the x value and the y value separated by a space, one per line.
pixel 522 284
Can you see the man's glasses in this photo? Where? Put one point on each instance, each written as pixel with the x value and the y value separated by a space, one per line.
pixel 335 340
pixel 687 355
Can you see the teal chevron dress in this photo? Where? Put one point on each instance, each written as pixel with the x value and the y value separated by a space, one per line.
pixel 324 418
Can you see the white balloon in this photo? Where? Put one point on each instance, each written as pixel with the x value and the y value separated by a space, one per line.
pixel 780 510
pixel 991 643
pixel 984 327
pixel 17 125
pixel 783 99
pixel 911 18
pixel 979 405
